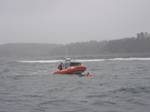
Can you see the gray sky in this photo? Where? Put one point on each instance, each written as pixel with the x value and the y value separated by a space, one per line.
pixel 65 21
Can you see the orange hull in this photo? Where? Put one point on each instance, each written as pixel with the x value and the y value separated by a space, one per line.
pixel 71 70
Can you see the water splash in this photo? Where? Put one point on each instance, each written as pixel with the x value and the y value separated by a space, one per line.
pixel 86 60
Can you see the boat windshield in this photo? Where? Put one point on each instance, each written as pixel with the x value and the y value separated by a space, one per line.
pixel 75 64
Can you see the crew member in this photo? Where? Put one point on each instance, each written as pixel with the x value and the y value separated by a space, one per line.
pixel 60 66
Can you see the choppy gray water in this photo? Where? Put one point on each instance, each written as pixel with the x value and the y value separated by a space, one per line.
pixel 119 86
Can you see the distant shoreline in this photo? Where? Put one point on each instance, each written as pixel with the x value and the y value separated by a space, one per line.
pixel 138 46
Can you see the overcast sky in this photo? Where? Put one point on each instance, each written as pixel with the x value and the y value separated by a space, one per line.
pixel 65 21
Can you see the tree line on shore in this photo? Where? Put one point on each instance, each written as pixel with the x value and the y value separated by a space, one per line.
pixel 139 44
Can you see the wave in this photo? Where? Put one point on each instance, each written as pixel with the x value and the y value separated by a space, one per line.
pixel 39 61
pixel 129 59
pixel 86 60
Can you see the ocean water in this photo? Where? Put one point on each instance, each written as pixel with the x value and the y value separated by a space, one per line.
pixel 120 85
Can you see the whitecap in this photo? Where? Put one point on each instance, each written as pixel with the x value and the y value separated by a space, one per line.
pixel 86 60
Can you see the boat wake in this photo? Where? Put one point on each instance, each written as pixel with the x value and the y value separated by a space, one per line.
pixel 85 60
pixel 39 61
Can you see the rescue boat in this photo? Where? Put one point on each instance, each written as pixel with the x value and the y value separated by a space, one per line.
pixel 74 68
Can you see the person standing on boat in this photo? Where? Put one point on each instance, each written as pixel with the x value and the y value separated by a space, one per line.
pixel 60 66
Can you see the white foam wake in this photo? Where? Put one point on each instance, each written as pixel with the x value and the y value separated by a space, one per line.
pixel 86 60
pixel 115 59
pixel 40 61
pixel 129 59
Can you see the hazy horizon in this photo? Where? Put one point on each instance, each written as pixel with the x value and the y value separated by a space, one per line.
pixel 135 36
pixel 67 21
